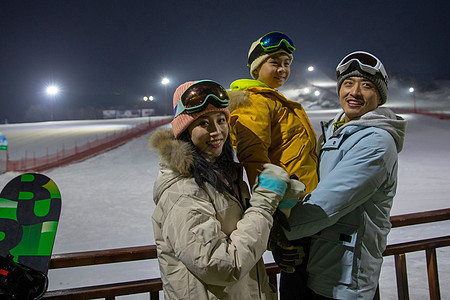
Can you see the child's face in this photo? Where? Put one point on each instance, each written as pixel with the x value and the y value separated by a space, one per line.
pixel 275 70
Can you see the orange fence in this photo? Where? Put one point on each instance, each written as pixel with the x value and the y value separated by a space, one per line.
pixel 66 156
pixel 440 114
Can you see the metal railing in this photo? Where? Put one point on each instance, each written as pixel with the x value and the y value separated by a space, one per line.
pixel 153 286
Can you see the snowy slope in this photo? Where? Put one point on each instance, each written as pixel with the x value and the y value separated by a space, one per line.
pixel 107 203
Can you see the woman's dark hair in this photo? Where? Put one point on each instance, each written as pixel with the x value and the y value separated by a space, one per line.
pixel 204 170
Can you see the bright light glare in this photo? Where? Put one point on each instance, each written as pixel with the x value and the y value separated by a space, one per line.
pixel 165 80
pixel 310 68
pixel 151 98
pixel 411 89
pixel 316 93
pixel 52 90
pixel 306 90
pixel 145 98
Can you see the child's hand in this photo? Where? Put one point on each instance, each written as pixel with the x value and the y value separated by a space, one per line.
pixel 294 192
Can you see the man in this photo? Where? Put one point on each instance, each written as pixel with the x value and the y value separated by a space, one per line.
pixel 348 213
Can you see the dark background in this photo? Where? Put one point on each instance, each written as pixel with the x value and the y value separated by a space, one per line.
pixel 109 54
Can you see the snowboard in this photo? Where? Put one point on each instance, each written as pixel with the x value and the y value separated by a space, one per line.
pixel 30 206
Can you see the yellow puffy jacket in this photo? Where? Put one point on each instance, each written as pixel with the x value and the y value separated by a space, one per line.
pixel 266 127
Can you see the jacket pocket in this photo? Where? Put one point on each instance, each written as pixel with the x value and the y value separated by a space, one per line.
pixel 292 150
pixel 332 255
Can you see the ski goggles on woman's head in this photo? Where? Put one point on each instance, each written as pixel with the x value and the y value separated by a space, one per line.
pixel 197 97
pixel 271 42
pixel 362 61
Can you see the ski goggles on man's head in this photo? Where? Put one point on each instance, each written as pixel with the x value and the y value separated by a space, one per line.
pixel 271 42
pixel 197 97
pixel 362 61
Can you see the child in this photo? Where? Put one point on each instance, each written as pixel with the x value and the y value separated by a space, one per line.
pixel 266 127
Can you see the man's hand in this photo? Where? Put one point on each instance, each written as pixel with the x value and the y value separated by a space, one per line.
pixel 280 221
pixel 286 255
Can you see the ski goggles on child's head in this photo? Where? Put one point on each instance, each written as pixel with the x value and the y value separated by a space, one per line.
pixel 271 42
pixel 197 97
pixel 362 61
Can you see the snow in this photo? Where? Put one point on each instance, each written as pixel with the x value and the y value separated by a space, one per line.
pixel 107 203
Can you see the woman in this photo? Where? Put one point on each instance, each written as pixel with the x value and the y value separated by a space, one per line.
pixel 210 234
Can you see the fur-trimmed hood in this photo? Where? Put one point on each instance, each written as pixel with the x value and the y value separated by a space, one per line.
pixel 175 154
pixel 239 94
pixel 237 98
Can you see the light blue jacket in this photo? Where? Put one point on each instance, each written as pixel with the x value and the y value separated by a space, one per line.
pixel 348 213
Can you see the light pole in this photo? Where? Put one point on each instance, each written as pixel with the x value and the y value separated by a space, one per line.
pixel 147 111
pixel 411 90
pixel 52 91
pixel 149 98
pixel 165 81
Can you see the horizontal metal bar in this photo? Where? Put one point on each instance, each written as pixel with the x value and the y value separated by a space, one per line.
pixel 413 246
pixel 107 290
pixel 420 218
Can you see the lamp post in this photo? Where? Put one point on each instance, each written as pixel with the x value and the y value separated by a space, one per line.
pixel 147 111
pixel 149 98
pixel 52 91
pixel 411 90
pixel 165 81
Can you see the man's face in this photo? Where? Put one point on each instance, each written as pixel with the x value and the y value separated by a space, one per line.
pixel 358 96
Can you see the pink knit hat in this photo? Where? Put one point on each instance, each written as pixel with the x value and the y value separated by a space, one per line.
pixel 181 122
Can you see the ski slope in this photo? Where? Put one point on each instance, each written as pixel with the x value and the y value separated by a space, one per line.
pixel 107 203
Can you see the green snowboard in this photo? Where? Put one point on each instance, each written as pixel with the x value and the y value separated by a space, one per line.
pixel 30 206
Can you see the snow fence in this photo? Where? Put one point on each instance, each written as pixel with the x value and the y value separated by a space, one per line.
pixel 89 149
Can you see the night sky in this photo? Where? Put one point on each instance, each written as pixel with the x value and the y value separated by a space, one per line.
pixel 109 54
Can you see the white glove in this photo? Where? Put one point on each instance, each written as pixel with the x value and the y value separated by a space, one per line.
pixel 295 191
pixel 270 187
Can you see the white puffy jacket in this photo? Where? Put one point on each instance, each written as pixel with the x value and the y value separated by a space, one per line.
pixel 206 241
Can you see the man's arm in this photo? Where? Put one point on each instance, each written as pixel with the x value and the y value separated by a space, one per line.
pixel 359 174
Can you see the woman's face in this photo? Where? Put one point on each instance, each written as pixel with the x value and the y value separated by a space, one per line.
pixel 209 133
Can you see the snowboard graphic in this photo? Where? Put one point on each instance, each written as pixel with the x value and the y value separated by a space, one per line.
pixel 30 206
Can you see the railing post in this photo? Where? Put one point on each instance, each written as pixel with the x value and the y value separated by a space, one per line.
pixel 273 280
pixel 154 295
pixel 402 277
pixel 7 161
pixel 433 277
pixel 377 293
